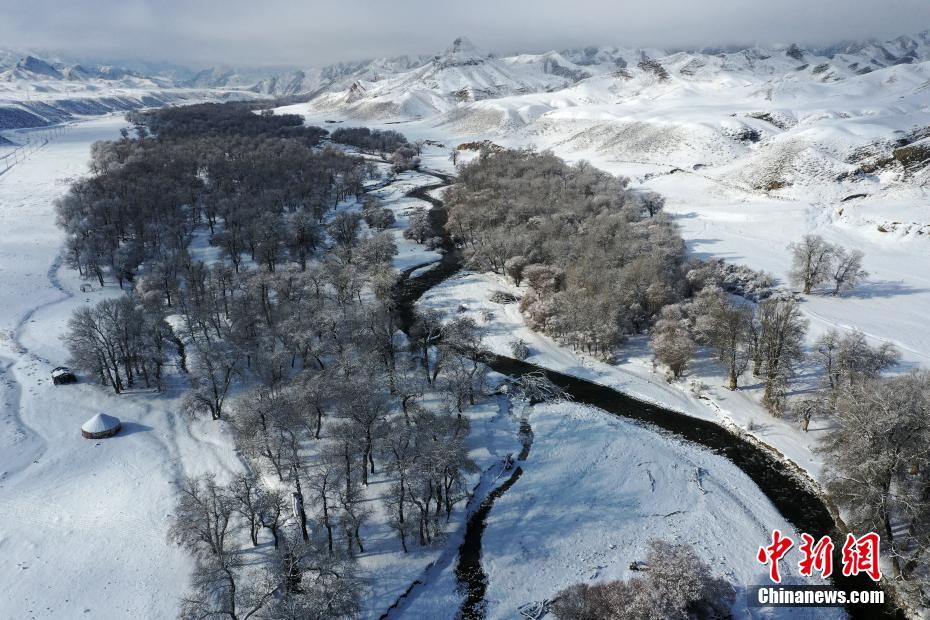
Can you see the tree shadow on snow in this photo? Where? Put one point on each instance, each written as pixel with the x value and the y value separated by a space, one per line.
pixel 692 246
pixel 883 288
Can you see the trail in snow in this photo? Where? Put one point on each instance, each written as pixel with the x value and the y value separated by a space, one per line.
pixel 86 522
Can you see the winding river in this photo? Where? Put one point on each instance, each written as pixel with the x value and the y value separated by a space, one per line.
pixel 794 498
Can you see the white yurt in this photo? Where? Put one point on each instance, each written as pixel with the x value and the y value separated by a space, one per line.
pixel 100 426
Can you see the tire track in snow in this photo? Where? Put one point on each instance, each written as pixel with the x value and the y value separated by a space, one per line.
pixel 848 328
pixel 27 358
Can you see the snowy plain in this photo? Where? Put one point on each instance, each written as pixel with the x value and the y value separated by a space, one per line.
pixel 83 532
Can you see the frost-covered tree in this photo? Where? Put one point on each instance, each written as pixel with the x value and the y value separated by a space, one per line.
pixel 725 325
pixel 651 202
pixel 675 585
pixel 313 584
pixel 380 218
pixel 215 367
pixel 203 523
pixel 247 493
pixel 878 469
pixel 846 270
pixel 671 340
pixel 121 342
pixel 848 358
pixel 514 267
pixel 519 349
pixel 811 262
pixel 302 237
pixel 419 227
pixel 345 228
pixel 778 337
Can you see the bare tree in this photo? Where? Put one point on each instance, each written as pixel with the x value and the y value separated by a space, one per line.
pixel 212 374
pixel 846 271
pixel 811 262
pixel 877 464
pixel 778 341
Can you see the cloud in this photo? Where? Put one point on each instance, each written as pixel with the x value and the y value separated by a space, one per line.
pixel 319 32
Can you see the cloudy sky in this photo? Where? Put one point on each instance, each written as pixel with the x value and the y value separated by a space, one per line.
pixel 317 32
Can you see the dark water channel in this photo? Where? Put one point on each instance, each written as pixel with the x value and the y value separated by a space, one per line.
pixel 790 494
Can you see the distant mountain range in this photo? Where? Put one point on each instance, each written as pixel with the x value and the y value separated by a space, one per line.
pixel 462 69
pixel 40 90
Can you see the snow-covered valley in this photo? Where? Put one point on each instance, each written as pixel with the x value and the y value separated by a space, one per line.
pixel 751 150
pixel 83 512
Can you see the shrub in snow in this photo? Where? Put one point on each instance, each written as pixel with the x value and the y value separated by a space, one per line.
pixel 676 584
pixel 519 349
pixel 503 297
pixel 379 218
pixel 736 279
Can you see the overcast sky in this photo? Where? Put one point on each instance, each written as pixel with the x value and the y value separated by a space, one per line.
pixel 318 32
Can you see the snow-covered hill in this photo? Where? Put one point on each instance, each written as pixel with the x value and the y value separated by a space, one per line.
pixel 36 92
pixel 752 149
pixel 785 120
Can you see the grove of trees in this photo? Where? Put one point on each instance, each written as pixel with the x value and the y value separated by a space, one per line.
pixel 601 261
pixel 286 329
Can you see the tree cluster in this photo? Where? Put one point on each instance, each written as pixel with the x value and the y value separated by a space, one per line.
pixel 374 141
pixel 768 336
pixel 600 261
pixel 290 333
pixel 675 585
pixel 815 262
pixel 303 581
pixel 878 469
pixel 261 195
pixel 121 343
pixel 241 119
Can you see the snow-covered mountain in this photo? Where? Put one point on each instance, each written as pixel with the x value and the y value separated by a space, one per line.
pixel 462 74
pixel 37 91
pixel 767 118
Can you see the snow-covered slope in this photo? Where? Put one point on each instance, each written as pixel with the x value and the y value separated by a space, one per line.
pixel 752 149
pixel 35 91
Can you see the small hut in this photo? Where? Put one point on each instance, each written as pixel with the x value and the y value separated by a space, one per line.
pixel 63 375
pixel 100 426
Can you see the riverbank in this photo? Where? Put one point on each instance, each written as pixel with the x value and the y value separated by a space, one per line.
pixel 788 495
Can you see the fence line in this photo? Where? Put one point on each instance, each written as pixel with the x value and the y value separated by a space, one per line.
pixel 34 141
